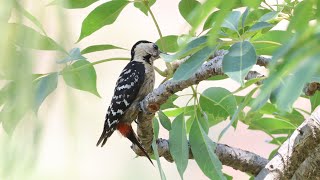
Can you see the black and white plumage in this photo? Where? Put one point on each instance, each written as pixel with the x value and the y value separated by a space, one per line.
pixel 134 83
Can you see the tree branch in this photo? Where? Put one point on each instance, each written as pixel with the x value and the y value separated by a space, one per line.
pixel 236 158
pixel 295 150
pixel 309 169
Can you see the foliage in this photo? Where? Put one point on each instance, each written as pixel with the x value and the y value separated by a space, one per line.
pixel 244 28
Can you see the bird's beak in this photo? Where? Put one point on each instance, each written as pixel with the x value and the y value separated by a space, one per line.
pixel 157 55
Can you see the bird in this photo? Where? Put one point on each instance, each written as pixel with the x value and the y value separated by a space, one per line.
pixel 134 83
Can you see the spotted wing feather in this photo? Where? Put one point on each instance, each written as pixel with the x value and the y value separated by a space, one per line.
pixel 125 92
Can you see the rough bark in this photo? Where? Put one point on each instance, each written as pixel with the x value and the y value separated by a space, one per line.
pixel 236 158
pixel 309 169
pixel 295 150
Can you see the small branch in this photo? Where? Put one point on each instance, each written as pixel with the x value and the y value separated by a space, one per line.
pixel 311 88
pixel 253 75
pixel 263 61
pixel 295 150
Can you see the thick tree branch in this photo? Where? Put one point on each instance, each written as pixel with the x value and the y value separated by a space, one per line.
pixel 309 169
pixel 236 158
pixel 295 150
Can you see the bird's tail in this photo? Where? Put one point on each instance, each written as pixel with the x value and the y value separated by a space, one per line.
pixel 133 138
pixel 104 136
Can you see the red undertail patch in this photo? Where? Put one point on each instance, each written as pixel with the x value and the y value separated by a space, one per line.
pixel 124 129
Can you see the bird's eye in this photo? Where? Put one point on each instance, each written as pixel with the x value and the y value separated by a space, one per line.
pixel 155 47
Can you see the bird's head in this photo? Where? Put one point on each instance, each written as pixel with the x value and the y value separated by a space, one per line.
pixel 145 51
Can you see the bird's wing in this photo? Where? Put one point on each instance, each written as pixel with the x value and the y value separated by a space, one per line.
pixel 126 91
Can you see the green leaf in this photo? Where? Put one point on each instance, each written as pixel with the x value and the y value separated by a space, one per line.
pixel 203 119
pixel 6 8
pixel 186 7
pixel 164 120
pixel 179 144
pixel 100 47
pixel 10 116
pixel 260 26
pixel 255 15
pixel 278 140
pixel 192 64
pixel 25 13
pixel 37 23
pixel 210 20
pixel 229 177
pixel 156 127
pixel 236 114
pixel 43 87
pixel 105 14
pixel 275 37
pixel 273 153
pixel 302 14
pixel 169 103
pixel 315 101
pixel 244 17
pixel 74 55
pixel 156 153
pixel 232 21
pixel 252 3
pixel 217 77
pixel 83 79
pixel 268 16
pixel 177 111
pixel 271 125
pixel 225 10
pixel 247 84
pixel 218 102
pixel 73 4
pixel 239 60
pixel 189 122
pixel 168 43
pixel 4 92
pixel 295 117
pixel 32 39
pixel 295 83
pixel 140 5
pixel 192 47
pixel 202 12
pixel 203 150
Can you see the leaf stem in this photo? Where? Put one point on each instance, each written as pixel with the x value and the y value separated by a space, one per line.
pixel 162 73
pixel 266 42
pixel 253 42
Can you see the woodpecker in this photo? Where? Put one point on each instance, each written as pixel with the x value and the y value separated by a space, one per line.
pixel 134 83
